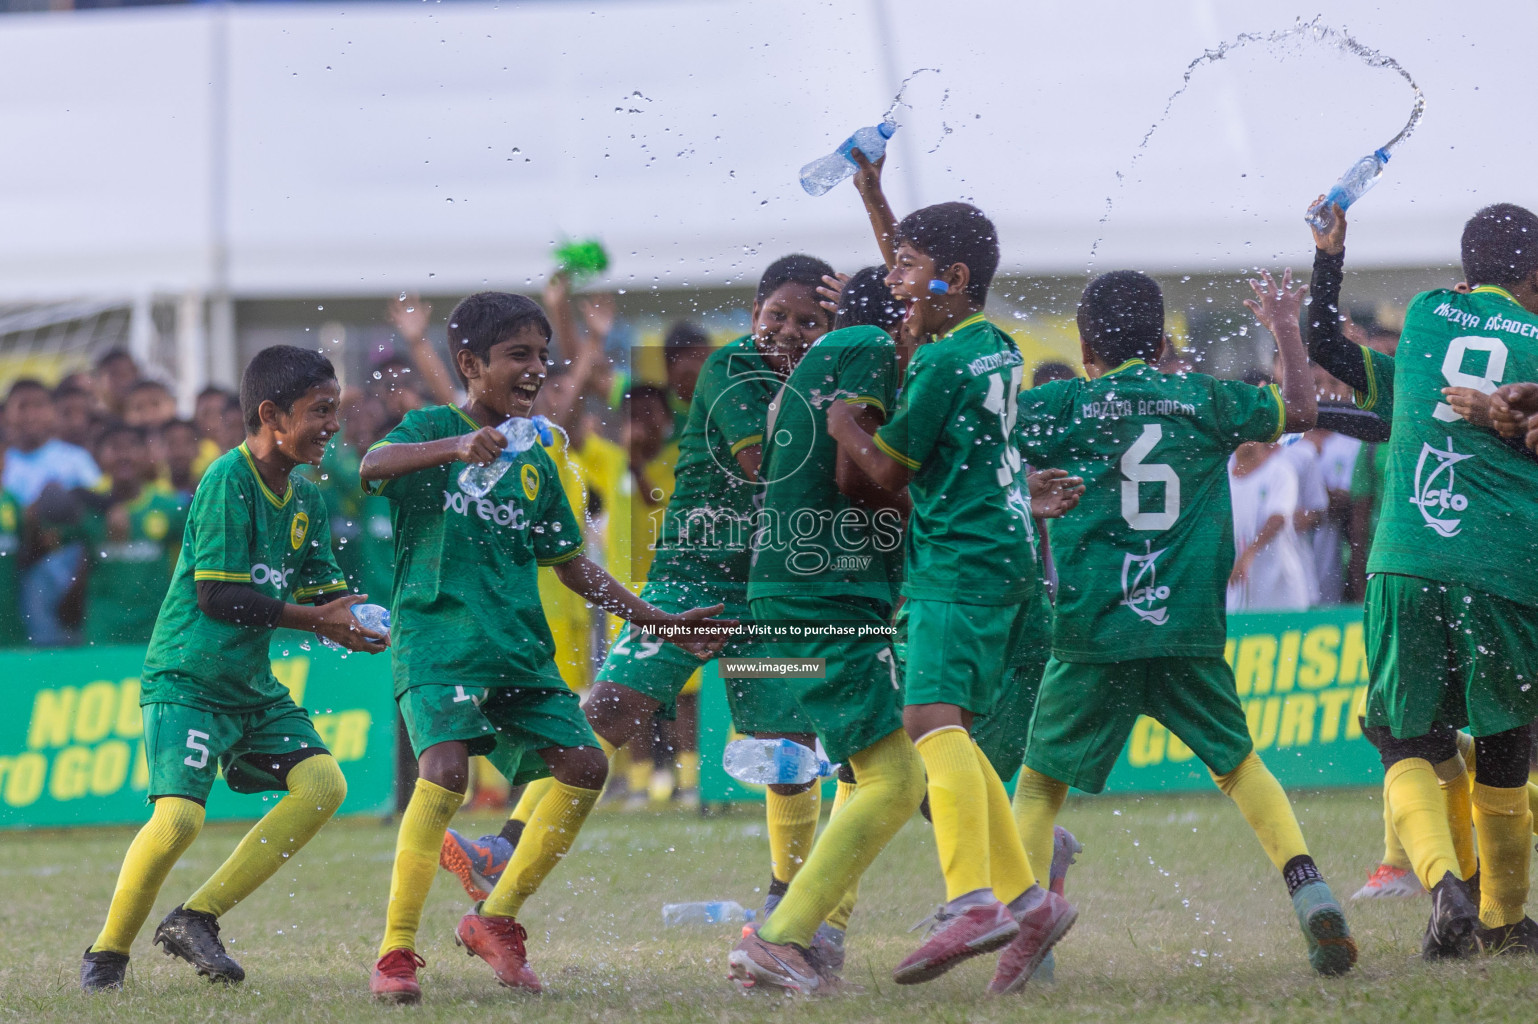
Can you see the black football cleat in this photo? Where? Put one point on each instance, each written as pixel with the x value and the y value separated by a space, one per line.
pixel 194 936
pixel 1454 918
pixel 102 971
pixel 1511 940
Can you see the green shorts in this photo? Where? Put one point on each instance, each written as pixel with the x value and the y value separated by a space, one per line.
pixel 654 668
pixel 1438 652
pixel 1001 736
pixel 858 700
pixel 508 725
pixel 1085 713
pixel 188 747
pixel 964 653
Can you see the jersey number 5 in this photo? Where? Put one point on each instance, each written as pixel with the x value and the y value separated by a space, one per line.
pixel 1135 471
pixel 1452 370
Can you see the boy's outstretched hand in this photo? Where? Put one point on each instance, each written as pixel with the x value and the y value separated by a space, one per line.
pixel 1472 405
pixel 1514 412
pixel 1277 303
pixel 480 448
pixel 867 179
pixel 1054 492
pixel 704 635
pixel 830 290
pixel 410 315
pixel 335 622
pixel 1332 241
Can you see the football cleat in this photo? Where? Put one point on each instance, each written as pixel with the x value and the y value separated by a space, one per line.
pixel 102 970
pixel 500 942
pixel 1040 929
pixel 1331 949
pixel 955 938
pixel 194 936
pixel 477 863
pixel 394 978
pixel 1387 881
pixel 1510 940
pixel 828 948
pixel 1065 850
pixel 754 962
pixel 1450 932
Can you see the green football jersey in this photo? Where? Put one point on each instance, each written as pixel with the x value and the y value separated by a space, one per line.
pixel 465 608
pixel 12 633
pixel 1143 561
pixel 810 538
pixel 970 536
pixel 707 527
pixel 237 531
pixel 129 575
pixel 1458 502
pixel 362 536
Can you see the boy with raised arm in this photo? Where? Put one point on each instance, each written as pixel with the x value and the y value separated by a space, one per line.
pixel 1142 567
pixel 256 554
pixel 474 666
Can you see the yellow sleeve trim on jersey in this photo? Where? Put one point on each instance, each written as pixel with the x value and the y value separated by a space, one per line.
pixel 305 593
pixel 378 444
pixel 870 400
pixel 1281 412
pixel 893 453
pixel 747 442
pixel 558 559
pixel 1367 400
pixel 222 576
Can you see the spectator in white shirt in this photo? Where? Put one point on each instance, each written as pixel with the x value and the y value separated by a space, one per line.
pixel 1268 566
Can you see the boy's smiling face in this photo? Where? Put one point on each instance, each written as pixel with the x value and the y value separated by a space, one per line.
pixel 509 380
pixel 909 281
pixel 786 323
pixel 303 432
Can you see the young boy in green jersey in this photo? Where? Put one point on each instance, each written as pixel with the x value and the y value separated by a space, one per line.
pixel 702 558
pixel 1452 615
pixel 474 659
pixel 1142 567
pixel 130 532
pixel 256 542
pixel 970 576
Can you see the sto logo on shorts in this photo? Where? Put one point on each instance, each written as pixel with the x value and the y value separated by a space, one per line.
pixel 297 530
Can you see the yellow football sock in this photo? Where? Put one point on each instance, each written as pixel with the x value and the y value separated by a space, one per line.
pixel 416 861
pixel 1265 806
pixel 533 793
pixel 545 841
pixel 1393 850
pixel 1038 798
pixel 639 776
pixel 792 827
pixel 172 827
pixel 316 789
pixel 689 769
pixel 889 788
pixel 1420 818
pixel 1505 823
pixel 839 918
pixel 1009 870
pixel 1460 811
pixel 959 806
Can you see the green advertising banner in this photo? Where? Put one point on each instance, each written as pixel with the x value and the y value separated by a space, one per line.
pixel 72 737
pixel 1302 677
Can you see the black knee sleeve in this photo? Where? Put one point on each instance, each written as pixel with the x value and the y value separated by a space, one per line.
pixel 1501 760
pixel 1438 745
pixel 846 774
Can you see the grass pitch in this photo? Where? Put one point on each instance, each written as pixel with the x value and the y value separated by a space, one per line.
pixel 1181 918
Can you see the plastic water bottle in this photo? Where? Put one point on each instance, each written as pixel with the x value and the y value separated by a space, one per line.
pixel 522 434
pixel 1363 175
pixel 825 172
pixel 709 912
pixel 779 762
pixel 373 617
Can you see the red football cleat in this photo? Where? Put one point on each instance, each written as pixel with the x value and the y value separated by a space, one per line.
pixel 1039 931
pixel 395 977
pixel 957 937
pixel 500 942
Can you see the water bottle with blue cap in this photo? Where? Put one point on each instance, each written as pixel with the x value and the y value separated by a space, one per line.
pixel 779 762
pixel 1361 176
pixel 825 172
pixel 521 434
pixel 373 617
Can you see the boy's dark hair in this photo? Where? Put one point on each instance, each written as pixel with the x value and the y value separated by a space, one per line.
pixel 797 268
pixel 867 301
pixel 1500 245
pixel 1121 316
pixel 114 428
pixel 1256 378
pixel 683 338
pixel 147 384
pixel 213 390
pixel 484 319
pixel 26 384
pixel 69 389
pixel 952 233
pixel 281 374
pixel 1050 371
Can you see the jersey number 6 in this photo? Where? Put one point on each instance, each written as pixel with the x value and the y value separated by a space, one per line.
pixel 1135 471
